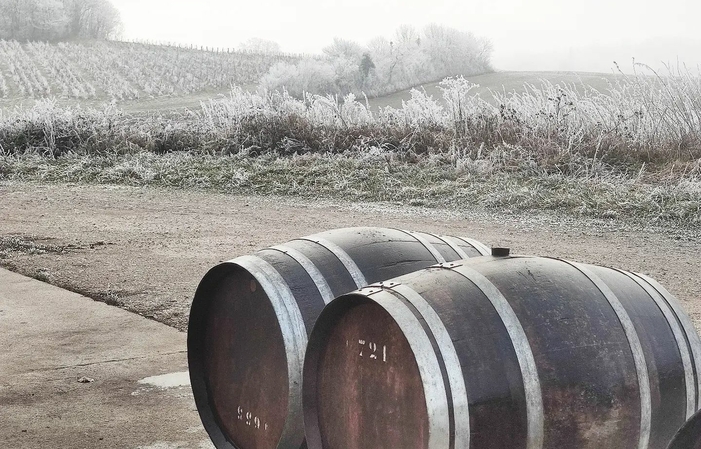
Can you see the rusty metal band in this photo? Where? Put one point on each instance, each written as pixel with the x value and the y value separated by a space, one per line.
pixel 459 251
pixel 535 419
pixel 687 325
pixel 311 269
pixel 678 337
pixel 343 257
pixel 431 249
pixel 429 368
pixel 456 381
pixel 294 337
pixel 479 246
pixel 635 347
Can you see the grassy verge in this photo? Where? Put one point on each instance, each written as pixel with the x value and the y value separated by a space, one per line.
pixel 377 176
pixel 631 153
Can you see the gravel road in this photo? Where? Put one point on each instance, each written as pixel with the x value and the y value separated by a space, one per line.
pixel 146 249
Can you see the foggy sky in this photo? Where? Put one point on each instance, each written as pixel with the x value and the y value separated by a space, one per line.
pixel 527 35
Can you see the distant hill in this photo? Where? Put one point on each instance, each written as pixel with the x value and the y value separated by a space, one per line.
pixel 98 70
pixel 506 82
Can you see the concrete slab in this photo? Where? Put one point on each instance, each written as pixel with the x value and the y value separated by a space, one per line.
pixel 76 373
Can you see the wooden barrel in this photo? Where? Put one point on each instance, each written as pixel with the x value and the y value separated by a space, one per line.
pixel 689 436
pixel 502 353
pixel 251 316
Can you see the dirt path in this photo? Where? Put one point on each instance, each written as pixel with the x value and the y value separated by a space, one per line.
pixel 146 249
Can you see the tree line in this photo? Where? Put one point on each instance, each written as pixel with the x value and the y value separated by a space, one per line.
pixel 411 57
pixel 58 20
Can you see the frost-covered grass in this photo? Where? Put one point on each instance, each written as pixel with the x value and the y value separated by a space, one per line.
pixel 632 152
pixel 373 176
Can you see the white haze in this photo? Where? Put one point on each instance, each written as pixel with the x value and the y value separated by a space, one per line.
pixel 527 35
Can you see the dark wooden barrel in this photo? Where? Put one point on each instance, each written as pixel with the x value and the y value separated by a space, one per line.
pixel 502 353
pixel 251 316
pixel 689 436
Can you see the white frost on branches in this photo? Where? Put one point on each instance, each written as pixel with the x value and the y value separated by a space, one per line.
pixel 384 65
pixel 52 20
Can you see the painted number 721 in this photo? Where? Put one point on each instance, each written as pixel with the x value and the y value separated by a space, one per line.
pixel 372 350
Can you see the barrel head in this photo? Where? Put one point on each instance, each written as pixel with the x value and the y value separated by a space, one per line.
pixel 243 363
pixel 369 391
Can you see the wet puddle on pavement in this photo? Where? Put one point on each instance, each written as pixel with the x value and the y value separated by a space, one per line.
pixel 165 382
pixel 170 380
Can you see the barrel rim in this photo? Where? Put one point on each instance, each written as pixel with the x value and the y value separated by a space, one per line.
pixel 195 344
pixel 448 354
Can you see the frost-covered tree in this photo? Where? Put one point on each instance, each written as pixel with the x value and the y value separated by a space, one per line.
pixel 345 57
pixel 452 52
pixel 93 19
pixel 342 48
pixel 50 20
pixel 32 19
pixel 257 45
pixel 47 20
pixel 410 58
pixel 306 76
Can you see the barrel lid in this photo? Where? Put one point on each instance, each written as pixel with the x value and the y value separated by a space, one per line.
pixel 238 361
pixel 366 382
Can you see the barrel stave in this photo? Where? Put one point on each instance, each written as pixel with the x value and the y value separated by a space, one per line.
pixel 487 357
pixel 365 349
pixel 328 264
pixel 586 370
pixel 447 247
pixel 305 291
pixel 382 254
pixel 662 356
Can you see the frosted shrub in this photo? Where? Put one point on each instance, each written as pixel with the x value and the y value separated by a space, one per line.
pixel 643 126
pixel 332 110
pixel 53 130
pixel 422 110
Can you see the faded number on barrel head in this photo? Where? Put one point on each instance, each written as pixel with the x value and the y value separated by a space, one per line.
pixel 369 349
pixel 249 419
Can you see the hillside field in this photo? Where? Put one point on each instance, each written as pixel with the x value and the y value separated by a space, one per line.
pixel 94 72
pixel 141 77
